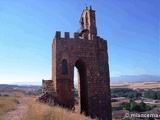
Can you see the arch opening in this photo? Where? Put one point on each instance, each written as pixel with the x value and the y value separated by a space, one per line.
pixel 82 98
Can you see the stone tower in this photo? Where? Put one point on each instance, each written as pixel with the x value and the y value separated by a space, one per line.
pixel 89 54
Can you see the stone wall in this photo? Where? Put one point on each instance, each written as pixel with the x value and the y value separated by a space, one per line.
pixel 92 57
pixel 47 86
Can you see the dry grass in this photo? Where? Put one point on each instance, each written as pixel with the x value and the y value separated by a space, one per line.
pixel 38 111
pixel 7 104
pixel 136 85
pixel 115 104
pixel 13 93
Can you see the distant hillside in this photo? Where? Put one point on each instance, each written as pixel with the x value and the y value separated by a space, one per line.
pixel 12 90
pixel 36 87
pixel 135 78
pixel 27 83
pixel 122 78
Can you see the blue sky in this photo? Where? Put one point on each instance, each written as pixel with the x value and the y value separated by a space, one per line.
pixel 27 28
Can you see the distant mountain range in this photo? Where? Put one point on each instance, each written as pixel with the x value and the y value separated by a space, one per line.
pixel 36 87
pixel 135 78
pixel 122 78
pixel 27 83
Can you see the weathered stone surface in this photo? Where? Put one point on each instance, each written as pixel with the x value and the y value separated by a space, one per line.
pixel 47 86
pixel 89 53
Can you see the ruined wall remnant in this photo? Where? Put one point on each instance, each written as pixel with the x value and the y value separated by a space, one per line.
pixel 47 86
pixel 89 54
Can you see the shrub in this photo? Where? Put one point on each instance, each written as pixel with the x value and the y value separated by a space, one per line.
pixel 133 106
pixel 5 95
pixel 125 92
pixel 150 94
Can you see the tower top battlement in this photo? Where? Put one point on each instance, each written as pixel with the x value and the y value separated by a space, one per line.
pixel 76 36
pixel 66 35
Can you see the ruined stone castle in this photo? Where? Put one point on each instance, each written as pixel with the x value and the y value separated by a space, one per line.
pixel 89 54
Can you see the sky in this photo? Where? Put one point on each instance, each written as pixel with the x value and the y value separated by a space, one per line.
pixel 27 29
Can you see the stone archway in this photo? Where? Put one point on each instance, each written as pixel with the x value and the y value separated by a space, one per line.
pixel 82 86
pixel 93 68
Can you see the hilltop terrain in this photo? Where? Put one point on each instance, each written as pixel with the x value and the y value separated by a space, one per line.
pixel 17 104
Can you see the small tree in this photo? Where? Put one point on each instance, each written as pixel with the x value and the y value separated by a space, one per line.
pixel 130 95
pixel 122 105
pixel 137 94
pixel 154 106
pixel 127 106
pixel 158 95
pixel 142 106
pixel 151 94
pixel 148 108
pixel 133 106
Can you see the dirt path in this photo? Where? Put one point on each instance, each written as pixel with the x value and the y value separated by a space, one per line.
pixel 19 112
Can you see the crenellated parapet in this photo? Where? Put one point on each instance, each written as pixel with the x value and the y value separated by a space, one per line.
pixel 58 35
pixel 102 43
pixel 66 35
pixel 76 36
